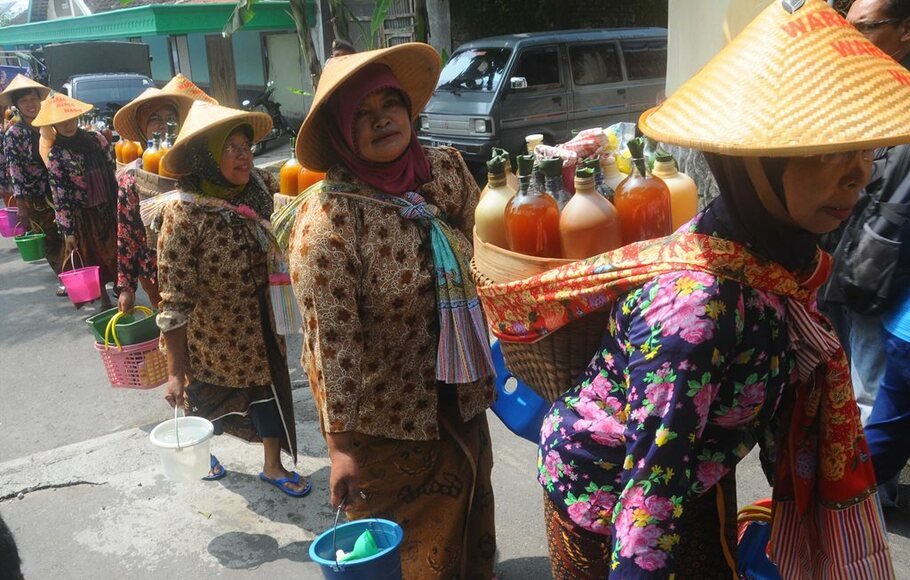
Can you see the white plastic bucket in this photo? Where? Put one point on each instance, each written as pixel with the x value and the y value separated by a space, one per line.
pixel 184 446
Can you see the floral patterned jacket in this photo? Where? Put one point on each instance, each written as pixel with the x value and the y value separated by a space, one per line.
pixel 135 258
pixel 66 171
pixel 690 371
pixel 27 174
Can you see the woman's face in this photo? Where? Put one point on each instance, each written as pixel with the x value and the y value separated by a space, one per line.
pixel 29 104
pixel 158 120
pixel 382 127
pixel 67 128
pixel 237 159
pixel 820 191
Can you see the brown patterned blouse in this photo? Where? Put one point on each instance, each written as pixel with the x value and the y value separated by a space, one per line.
pixel 212 271
pixel 363 279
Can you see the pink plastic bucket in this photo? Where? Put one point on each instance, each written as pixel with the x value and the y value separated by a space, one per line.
pixel 82 284
pixel 9 223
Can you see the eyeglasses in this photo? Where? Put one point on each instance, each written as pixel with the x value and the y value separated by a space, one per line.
pixel 842 158
pixel 162 120
pixel 238 150
pixel 865 27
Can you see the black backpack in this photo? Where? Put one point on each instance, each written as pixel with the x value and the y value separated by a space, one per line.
pixel 871 257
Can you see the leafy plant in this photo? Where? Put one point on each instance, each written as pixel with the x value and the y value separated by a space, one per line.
pixel 380 11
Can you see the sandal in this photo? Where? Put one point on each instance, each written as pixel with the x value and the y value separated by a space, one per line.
pixel 217 470
pixel 61 291
pixel 282 482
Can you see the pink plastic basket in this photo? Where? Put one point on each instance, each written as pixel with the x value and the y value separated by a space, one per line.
pixel 82 284
pixel 9 223
pixel 137 366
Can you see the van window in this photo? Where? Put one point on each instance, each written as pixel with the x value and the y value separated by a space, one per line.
pixel 645 59
pixel 474 70
pixel 540 66
pixel 595 64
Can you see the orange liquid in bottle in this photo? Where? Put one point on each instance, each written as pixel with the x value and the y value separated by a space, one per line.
pixel 287 177
pixel 643 205
pixel 118 150
pixel 307 177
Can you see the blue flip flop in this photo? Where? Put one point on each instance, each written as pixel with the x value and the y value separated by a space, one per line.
pixel 283 481
pixel 218 473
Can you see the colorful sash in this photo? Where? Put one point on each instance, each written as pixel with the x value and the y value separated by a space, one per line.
pixel 827 521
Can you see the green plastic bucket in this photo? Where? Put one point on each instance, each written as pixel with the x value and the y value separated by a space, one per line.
pixel 131 328
pixel 31 246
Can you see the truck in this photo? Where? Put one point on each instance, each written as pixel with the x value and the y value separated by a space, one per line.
pixel 106 74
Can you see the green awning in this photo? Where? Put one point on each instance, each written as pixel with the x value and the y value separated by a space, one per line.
pixel 151 20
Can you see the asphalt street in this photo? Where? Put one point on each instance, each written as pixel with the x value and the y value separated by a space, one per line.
pixel 85 496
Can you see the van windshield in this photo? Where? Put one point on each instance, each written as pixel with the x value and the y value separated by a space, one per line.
pixel 101 91
pixel 475 69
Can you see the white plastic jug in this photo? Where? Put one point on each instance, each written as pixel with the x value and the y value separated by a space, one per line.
pixel 184 446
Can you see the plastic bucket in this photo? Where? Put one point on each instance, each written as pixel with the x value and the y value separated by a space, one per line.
pixel 9 223
pixel 385 565
pixel 31 246
pixel 517 405
pixel 184 446
pixel 82 284
pixel 130 329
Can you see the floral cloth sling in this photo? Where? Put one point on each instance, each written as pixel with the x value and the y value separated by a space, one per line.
pixel 826 518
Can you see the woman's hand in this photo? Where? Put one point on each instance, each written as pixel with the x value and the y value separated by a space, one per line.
pixel 24 213
pixel 344 479
pixel 176 391
pixel 69 245
pixel 126 300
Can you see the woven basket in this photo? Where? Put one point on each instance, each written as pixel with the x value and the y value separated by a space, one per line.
pixel 149 185
pixel 551 365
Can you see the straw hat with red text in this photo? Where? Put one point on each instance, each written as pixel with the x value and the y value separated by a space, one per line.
pixel 416 66
pixel 180 92
pixel 798 81
pixel 203 118
pixel 59 108
pixel 19 83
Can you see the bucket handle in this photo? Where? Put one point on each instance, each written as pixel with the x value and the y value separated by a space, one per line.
pixel 33 225
pixel 111 329
pixel 177 431
pixel 338 565
pixel 71 261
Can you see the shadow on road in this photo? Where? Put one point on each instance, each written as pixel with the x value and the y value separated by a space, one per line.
pixel 311 512
pixel 537 567
pixel 243 551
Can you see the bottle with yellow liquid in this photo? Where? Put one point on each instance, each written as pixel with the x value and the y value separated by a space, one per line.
pixel 489 215
pixel 683 191
pixel 287 176
pixel 151 158
pixel 589 224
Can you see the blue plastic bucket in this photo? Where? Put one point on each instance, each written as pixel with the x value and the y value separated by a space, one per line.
pixel 520 408
pixel 385 565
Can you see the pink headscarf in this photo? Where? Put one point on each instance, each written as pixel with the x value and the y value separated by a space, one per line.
pixel 404 174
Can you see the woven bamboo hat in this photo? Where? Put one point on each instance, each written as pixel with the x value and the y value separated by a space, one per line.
pixel 17 84
pixel 126 122
pixel 202 118
pixel 799 80
pixel 180 85
pixel 59 108
pixel 414 64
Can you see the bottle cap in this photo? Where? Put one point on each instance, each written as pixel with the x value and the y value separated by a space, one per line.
pixel 535 137
pixel 496 165
pixel 664 156
pixel 584 173
pixel 551 166
pixel 593 163
pixel 525 164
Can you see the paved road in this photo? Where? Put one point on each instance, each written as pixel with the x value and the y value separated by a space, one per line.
pixel 95 503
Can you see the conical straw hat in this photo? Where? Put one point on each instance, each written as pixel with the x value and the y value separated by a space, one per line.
pixel 59 108
pixel 414 64
pixel 799 80
pixel 17 84
pixel 202 118
pixel 180 85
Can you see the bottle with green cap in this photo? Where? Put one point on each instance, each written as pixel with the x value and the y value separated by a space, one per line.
pixel 551 167
pixel 642 200
pixel 599 184
pixel 683 191
pixel 532 217
pixel 589 224
pixel 489 215
pixel 511 178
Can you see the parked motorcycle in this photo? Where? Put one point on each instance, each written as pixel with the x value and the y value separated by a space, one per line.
pixel 281 127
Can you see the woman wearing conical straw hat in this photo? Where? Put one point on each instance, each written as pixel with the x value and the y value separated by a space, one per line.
pixel 396 347
pixel 714 343
pixel 27 173
pixel 80 168
pixel 148 113
pixel 226 362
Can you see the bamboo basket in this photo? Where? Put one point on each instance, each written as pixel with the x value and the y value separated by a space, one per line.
pixel 551 365
pixel 149 185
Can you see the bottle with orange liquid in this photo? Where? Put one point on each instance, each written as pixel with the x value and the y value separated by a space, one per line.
pixel 170 136
pixel 118 150
pixel 532 217
pixel 643 201
pixel 287 176
pixel 683 191
pixel 589 224
pixel 489 215
pixel 152 155
pixel 306 178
